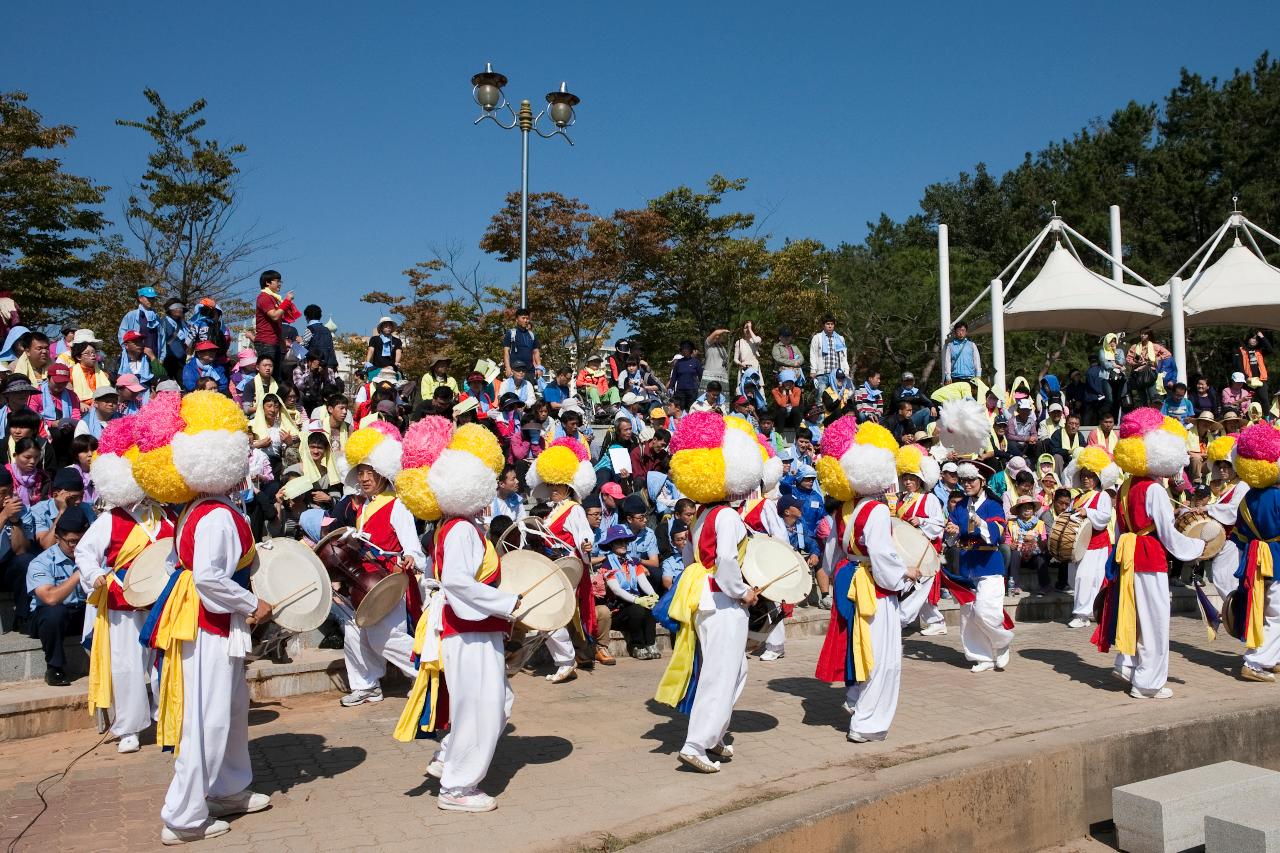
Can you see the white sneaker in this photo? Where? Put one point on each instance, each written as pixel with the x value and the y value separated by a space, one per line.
pixel 934 629
pixel 1121 676
pixel 1077 622
pixel 1002 659
pixel 854 737
pixel 245 802
pixel 473 800
pixel 359 697
pixel 212 829
pixel 825 601
pixel 698 763
pixel 982 666
pixel 721 750
pixel 847 708
pixel 561 675
pixel 1162 693
pixel 436 768
pixel 770 654
pixel 128 743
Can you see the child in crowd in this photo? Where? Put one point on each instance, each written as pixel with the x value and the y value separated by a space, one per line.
pixel 1028 540
pixel 1061 503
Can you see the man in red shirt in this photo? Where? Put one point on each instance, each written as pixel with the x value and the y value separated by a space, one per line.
pixel 270 313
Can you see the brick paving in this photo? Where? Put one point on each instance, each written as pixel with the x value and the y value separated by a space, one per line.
pixel 590 765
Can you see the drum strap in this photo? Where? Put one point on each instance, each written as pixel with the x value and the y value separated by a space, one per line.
pixel 1258 571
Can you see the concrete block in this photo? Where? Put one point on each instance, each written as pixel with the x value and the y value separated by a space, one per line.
pixel 1167 813
pixel 1249 825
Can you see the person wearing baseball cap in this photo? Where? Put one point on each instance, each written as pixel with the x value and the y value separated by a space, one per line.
pixel 134 360
pixel 145 322
pixel 106 402
pixel 203 365
pixel 58 405
pixel 132 394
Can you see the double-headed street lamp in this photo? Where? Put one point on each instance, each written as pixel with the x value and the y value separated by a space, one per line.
pixel 486 88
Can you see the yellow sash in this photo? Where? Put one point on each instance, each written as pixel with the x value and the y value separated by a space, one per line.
pixel 1262 574
pixel 862 592
pixel 370 508
pixel 1126 641
pixel 426 687
pixel 100 695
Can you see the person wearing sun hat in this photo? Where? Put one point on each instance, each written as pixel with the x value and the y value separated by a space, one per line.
pixel 194 450
pixel 1135 614
pixel 387 527
pixel 448 478
pixel 1228 492
pixel 714 460
pixel 119 664
pixel 863 646
pixel 1094 475
pixel 920 507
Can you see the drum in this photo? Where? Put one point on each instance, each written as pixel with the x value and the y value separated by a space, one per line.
pixel 915 549
pixel 572 568
pixel 1198 525
pixel 374 594
pixel 549 599
pixel 1233 612
pixel 1069 538
pixel 148 573
pixel 288 576
pixel 777 570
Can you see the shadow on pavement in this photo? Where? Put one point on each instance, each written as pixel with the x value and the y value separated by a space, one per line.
pixel 1074 667
pixel 515 753
pixel 282 775
pixel 1227 663
pixel 819 701
pixel 924 650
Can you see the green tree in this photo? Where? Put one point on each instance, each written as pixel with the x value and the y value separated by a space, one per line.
pixel 48 217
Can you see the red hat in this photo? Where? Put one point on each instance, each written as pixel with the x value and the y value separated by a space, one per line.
pixel 205 346
pixel 133 335
pixel 613 490
pixel 475 376
pixel 59 372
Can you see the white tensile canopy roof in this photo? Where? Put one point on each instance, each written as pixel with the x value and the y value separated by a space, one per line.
pixel 1239 289
pixel 1067 295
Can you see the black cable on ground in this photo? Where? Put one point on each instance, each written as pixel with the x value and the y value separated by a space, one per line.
pixel 42 789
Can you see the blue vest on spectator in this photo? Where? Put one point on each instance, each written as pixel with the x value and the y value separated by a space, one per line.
pixel 962 365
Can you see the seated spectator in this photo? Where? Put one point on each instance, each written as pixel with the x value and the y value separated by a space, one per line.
pixel 321 468
pixel 385 349
pixel 570 424
pixel 315 382
pixel 202 365
pixel 788 356
pixel 82 450
pixel 711 399
pixel 1106 435
pixel 594 382
pixel 902 423
pixel 134 360
pixel 16 550
pixel 319 339
pixel 518 384
pixel 869 399
pixel 908 390
pixel 1028 539
pixel 684 511
pixel 650 456
pixel 105 407
pixel 791 511
pixel 437 376
pixel 1177 406
pixel 745 409
pixel 558 390
pixel 30 480
pixel 57 405
pixel 1204 398
pixel 1066 443
pixel 1236 396
pixel 637 379
pixel 274 432
pixel 241 372
pixel 837 395
pixel 57 602
pixel 631 597
pixel 673 563
pixel 34 362
pixel 477 389
pixel 810 500
pixel 131 393
pixel 787 411
pixel 66 490
pixel 86 375
pixel 1022 429
pixel 1053 421
pixel 262 384
pixel 768 429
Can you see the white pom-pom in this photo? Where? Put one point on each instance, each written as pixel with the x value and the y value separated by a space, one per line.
pixel 963 426
pixel 113 477
pixel 584 479
pixel 938 453
pixel 742 464
pixel 1111 475
pixel 930 473
pixel 385 458
pixel 213 462
pixel 1071 474
pixel 1166 453
pixel 463 485
pixel 870 470
pixel 771 473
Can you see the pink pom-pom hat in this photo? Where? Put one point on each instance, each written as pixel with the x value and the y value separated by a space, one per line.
pixel 768 448
pixel 1260 441
pixel 1140 422
pixel 390 430
pixel 699 431
pixel 574 445
pixel 118 435
pixel 839 436
pixel 424 441
pixel 159 421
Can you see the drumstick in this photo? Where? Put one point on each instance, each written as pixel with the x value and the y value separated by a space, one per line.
pixel 790 571
pixel 516 617
pixel 293 596
pixel 539 581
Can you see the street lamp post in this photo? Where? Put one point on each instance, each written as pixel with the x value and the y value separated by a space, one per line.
pixel 486 89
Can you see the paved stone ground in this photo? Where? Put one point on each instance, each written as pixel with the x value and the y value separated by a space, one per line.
pixel 590 765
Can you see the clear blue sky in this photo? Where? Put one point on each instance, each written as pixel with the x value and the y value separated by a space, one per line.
pixel 358 116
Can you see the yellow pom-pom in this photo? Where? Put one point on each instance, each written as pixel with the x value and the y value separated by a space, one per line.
pixel 1220 448
pixel 877 436
pixel 831 477
pixel 359 445
pixel 557 465
pixel 414 493
pixel 1171 425
pixel 909 460
pixel 206 410
pixel 699 474
pixel 1093 459
pixel 1131 456
pixel 1258 473
pixel 479 442
pixel 740 424
pixel 132 453
pixel 156 474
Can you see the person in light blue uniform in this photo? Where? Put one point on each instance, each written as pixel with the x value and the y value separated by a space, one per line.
pixel 57 602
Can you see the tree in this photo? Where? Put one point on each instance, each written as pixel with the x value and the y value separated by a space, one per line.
pixel 48 217
pixel 182 210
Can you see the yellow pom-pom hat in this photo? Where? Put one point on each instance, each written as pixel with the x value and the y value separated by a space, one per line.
pixel 378 446
pixel 187 446
pixel 1097 461
pixel 1151 444
pixel 866 456
pixel 913 461
pixel 448 472
pixel 715 458
pixel 1220 449
pixel 565 463
pixel 1257 455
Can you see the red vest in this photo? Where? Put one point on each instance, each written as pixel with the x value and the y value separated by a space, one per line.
pixel 213 623
pixel 1101 538
pixel 752 516
pixel 1149 556
pixel 916 509
pixel 454 624
pixel 860 543
pixel 1226 499
pixel 380 532
pixel 122 524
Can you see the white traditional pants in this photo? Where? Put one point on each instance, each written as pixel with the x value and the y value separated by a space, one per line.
pixel 368 650
pixel 875 700
pixel 213 756
pixel 721 625
pixel 1149 669
pixel 930 614
pixel 914 605
pixel 561 647
pixel 1086 579
pixel 1223 569
pixel 479 703
pixel 131 670
pixel 982 631
pixel 776 639
pixel 1267 655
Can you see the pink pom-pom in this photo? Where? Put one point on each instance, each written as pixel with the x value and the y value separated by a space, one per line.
pixel 768 448
pixel 839 436
pixel 1260 441
pixel 388 429
pixel 1140 422
pixel 698 431
pixel 574 445
pixel 159 421
pixel 425 439
pixel 118 435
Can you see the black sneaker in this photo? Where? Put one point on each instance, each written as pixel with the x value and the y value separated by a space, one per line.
pixel 56 678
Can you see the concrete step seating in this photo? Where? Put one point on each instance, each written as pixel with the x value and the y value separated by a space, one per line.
pixel 1226 807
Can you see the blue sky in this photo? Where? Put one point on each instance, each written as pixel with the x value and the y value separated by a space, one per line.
pixel 358 116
